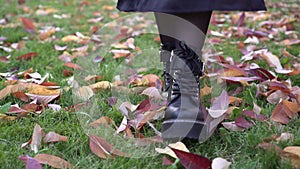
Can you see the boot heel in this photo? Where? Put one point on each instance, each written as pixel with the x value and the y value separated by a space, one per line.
pixel 177 130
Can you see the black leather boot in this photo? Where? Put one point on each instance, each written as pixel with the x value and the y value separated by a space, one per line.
pixel 183 117
pixel 165 56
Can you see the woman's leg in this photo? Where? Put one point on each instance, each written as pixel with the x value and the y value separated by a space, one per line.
pixel 183 117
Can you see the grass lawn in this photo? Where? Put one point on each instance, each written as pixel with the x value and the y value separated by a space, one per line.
pixel 73 16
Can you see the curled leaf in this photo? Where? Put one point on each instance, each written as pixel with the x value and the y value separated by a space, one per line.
pixel 53 161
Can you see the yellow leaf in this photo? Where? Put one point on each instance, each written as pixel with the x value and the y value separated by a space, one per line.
pixel 205 91
pixel 70 38
pixel 168 151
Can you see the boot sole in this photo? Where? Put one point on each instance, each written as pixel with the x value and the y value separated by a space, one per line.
pixel 177 130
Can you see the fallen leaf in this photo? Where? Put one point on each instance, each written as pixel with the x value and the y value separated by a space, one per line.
pixel 284 111
pixel 219 105
pixel 243 123
pixel 44 99
pixel 288 42
pixel 36 138
pixel 27 56
pixel 103 85
pixel 104 120
pixel 28 25
pixel 167 161
pixel 53 161
pixel 192 161
pixel 152 92
pixel 70 38
pixel 60 48
pixel 293 150
pixel 170 152
pixel 103 149
pixel 151 79
pixel 31 163
pixel 45 35
pixel 73 65
pixel 232 126
pixel 220 163
pixel 54 137
pixel 285 137
pixel 205 91
pixel 84 93
pixel 120 53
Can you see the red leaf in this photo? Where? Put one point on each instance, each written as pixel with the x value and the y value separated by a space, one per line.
pixel 73 65
pixel 27 56
pixel 22 96
pixel 251 114
pixel 241 20
pixel 30 162
pixel 262 73
pixel 167 161
pixel 192 161
pixel 243 123
pixel 28 25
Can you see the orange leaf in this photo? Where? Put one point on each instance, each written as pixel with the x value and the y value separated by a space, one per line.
pixel 73 65
pixel 104 120
pixel 285 111
pixel 54 137
pixel 53 161
pixel 27 56
pixel 28 25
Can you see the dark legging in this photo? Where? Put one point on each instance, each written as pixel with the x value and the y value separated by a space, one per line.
pixel 188 27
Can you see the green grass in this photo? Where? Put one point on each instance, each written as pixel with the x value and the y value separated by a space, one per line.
pixel 240 148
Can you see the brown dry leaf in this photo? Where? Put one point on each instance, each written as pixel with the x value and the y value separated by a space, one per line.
pixel 288 42
pixel 232 73
pixel 292 153
pixel 285 111
pixel 36 138
pixel 168 151
pixel 47 34
pixel 54 137
pixel 84 92
pixel 13 89
pixel 53 161
pixel 120 53
pixel 42 90
pixel 103 149
pixel 70 38
pixel 73 65
pixel 152 92
pixel 4 117
pixel 293 150
pixel 22 96
pixel 28 25
pixel 103 85
pixel 104 120
pixel 152 79
pixel 233 100
pixel 205 91
pixel 272 59
pixel 27 56
pixel 108 7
